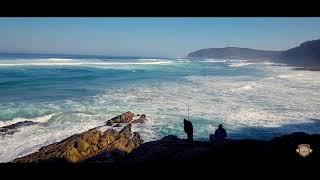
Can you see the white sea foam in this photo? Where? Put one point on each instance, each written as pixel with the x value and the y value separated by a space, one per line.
pixel 60 59
pixel 240 64
pixel 151 60
pixel 83 63
pixel 41 119
pixel 183 60
pixel 290 76
pixel 105 128
pixel 215 61
pixel 268 63
pixel 78 62
pixel 238 60
pixel 31 138
pixel 276 100
pixel 247 87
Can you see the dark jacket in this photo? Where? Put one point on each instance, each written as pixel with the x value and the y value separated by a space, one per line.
pixel 188 128
pixel 220 134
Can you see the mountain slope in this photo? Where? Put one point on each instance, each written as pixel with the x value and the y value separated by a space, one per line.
pixel 234 53
pixel 306 55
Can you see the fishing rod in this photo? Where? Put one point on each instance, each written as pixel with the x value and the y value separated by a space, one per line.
pixel 189 105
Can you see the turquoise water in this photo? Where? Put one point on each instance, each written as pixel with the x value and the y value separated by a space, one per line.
pixel 71 94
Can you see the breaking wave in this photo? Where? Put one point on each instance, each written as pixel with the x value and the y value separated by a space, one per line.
pixel 41 119
pixel 215 61
pixel 267 96
pixel 240 64
pixel 77 62
pixel 247 87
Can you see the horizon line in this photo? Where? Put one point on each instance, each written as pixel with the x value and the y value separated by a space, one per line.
pixel 76 54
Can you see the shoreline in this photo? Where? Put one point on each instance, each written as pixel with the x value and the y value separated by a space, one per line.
pixel 307 68
pixel 115 145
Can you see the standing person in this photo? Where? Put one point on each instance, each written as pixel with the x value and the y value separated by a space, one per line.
pixel 188 128
pixel 220 134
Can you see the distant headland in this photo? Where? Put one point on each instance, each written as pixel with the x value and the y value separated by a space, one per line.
pixel 306 55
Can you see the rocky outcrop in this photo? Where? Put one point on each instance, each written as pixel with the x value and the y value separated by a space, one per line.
pixel 97 141
pixel 141 119
pixel 127 117
pixel 123 118
pixel 10 129
pixel 117 146
pixel 171 152
pixel 172 155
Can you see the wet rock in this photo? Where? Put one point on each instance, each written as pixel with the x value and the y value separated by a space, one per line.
pixel 137 139
pixel 141 119
pixel 80 147
pixel 10 129
pixel 109 136
pixel 102 144
pixel 123 118
pixel 126 131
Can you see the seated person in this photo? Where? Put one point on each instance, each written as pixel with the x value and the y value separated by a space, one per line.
pixel 220 134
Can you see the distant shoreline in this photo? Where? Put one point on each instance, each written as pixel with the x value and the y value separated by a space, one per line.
pixel 307 68
pixel 61 55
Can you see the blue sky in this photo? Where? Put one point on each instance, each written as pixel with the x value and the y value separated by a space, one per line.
pixel 169 37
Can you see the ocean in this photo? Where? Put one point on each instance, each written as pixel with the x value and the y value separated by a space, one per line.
pixel 70 94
